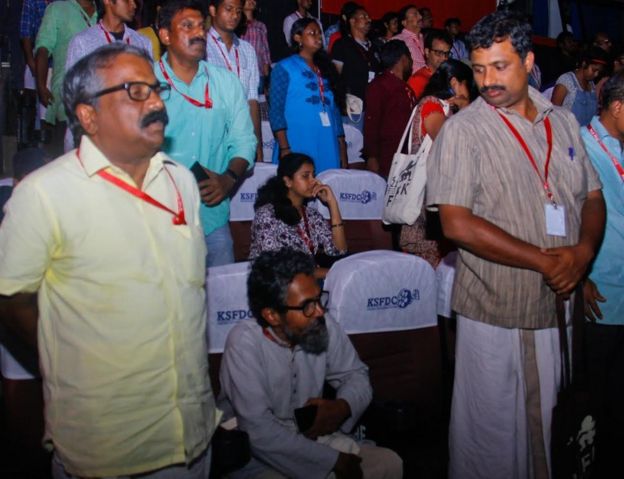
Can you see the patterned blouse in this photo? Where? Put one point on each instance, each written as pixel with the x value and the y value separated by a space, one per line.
pixel 269 233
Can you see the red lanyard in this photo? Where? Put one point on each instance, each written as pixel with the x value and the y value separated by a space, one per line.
pixel 107 35
pixel 178 218
pixel 616 163
pixel 225 59
pixel 306 236
pixel 524 146
pixel 321 86
pixel 207 101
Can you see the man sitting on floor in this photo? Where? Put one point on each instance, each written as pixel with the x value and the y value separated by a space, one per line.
pixel 279 364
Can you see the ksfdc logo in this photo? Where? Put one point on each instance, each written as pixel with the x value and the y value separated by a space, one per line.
pixel 233 316
pixel 248 197
pixel 401 300
pixel 364 197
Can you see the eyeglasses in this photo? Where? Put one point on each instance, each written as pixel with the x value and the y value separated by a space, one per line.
pixel 139 90
pixel 308 307
pixel 441 53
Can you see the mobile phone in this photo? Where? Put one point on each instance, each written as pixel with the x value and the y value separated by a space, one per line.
pixel 305 417
pixel 199 172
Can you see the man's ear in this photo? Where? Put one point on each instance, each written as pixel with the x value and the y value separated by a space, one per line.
pixel 271 316
pixel 529 61
pixel 163 34
pixel 87 116
pixel 212 11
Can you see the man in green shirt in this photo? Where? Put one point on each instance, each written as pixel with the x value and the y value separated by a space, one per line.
pixel 61 21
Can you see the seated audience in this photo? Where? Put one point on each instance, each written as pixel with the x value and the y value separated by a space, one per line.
pixel 575 90
pixel 279 363
pixel 284 217
pixel 437 50
pixel 389 27
pixel 390 102
pixel 303 108
pixel 564 59
pixel 451 83
pixel 459 50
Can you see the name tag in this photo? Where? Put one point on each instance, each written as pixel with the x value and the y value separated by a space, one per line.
pixel 555 220
pixel 324 118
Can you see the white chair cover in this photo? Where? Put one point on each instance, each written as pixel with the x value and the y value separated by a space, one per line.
pixel 268 142
pixel 360 193
pixel 241 207
pixel 355 142
pixel 226 291
pixel 382 290
pixel 445 275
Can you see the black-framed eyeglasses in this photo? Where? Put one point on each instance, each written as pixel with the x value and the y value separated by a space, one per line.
pixel 442 53
pixel 139 90
pixel 308 307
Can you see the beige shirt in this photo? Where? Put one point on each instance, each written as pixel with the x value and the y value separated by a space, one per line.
pixel 121 312
pixel 476 162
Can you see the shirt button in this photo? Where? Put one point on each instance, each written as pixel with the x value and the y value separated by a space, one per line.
pixel 192 133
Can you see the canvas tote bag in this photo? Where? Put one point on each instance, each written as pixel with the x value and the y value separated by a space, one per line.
pixel 405 191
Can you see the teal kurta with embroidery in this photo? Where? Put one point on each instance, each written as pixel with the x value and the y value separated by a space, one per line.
pixel 211 136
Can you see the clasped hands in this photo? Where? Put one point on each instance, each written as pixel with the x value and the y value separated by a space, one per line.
pixel 563 267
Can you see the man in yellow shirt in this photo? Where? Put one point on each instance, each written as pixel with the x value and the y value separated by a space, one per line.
pixel 108 238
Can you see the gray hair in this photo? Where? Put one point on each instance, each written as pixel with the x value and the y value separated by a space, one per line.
pixel 82 80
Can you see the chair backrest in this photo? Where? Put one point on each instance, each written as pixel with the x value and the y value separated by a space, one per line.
pixel 360 194
pixel 386 302
pixel 268 142
pixel 226 302
pixel 241 206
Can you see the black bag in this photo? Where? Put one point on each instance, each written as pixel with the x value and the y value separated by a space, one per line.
pixel 230 451
pixel 573 439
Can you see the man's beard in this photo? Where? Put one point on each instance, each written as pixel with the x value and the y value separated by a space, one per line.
pixel 314 339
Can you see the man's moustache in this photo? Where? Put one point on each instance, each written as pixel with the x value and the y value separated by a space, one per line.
pixel 201 40
pixel 485 89
pixel 154 116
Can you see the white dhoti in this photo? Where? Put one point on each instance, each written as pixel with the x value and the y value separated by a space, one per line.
pixel 506 383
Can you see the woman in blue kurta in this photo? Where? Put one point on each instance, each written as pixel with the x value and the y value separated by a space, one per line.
pixel 303 110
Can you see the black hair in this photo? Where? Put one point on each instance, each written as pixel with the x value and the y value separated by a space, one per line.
pixel 594 55
pixel 149 12
pixel 275 192
pixel 440 82
pixel 387 18
pixel 499 26
pixel 347 12
pixel 171 7
pixel 451 21
pixel 391 53
pixel 28 160
pixel 270 275
pixel 403 14
pixel 321 60
pixel 437 34
pixel 562 37
pixel 82 81
pixel 613 90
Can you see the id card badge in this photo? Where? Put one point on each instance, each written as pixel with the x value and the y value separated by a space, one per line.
pixel 555 219
pixel 324 118
pixel 371 76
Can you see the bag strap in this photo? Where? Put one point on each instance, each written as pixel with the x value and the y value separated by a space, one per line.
pixel 563 343
pixel 408 129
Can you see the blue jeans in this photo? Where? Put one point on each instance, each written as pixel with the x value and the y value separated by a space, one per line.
pixel 220 247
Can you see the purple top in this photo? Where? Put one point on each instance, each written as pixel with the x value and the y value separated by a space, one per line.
pixel 269 233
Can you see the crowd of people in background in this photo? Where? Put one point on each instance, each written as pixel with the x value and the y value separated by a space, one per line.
pixel 131 97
